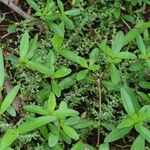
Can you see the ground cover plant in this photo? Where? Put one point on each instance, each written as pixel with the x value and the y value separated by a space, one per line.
pixel 74 75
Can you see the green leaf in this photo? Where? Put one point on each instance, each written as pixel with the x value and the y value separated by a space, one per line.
pixel 94 67
pixel 68 22
pixel 60 5
pixel 144 96
pixel 104 146
pixel 34 5
pixel 72 12
pixel 38 67
pixel 9 99
pixel 131 35
pixel 126 122
pixel 143 25
pixel 138 144
pixel 36 109
pixel 141 45
pixel 127 102
pixel 118 42
pixel 9 137
pixel 144 132
pixel 94 55
pixel 12 28
pixel 106 49
pixel 35 124
pixel 144 114
pixel 53 139
pixel 117 134
pixel 50 60
pixel 82 74
pixel 11 110
pixel 144 85
pixel 57 42
pixel 2 74
pixel 126 55
pixel 65 137
pixel 62 72
pixel 55 88
pixel 70 132
pixel 72 120
pixel 24 45
pixel 115 75
pixel 51 102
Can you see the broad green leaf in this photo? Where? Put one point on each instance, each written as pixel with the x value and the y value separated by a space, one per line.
pixel 141 45
pixel 68 22
pixel 82 74
pixel 54 128
pixel 50 60
pixel 143 25
pixel 60 5
pixel 9 137
pixel 104 146
pixel 11 110
pixel 106 49
pixel 34 5
pixel 62 72
pixel 2 74
pixel 126 55
pixel 44 131
pixel 127 102
pixel 145 85
pixel 72 12
pixel 138 144
pixel 131 35
pixel 94 67
pixel 51 102
pixel 49 7
pixel 65 137
pixel 57 42
pixel 24 45
pixel 72 120
pixel 114 73
pixel 118 42
pixel 9 99
pixel 53 139
pixel 35 124
pixel 38 67
pixel 83 62
pixel 55 88
pixel 70 132
pixel 144 114
pixel 144 96
pixel 117 134
pixel 36 109
pixel 144 132
pixel 94 55
pixel 126 122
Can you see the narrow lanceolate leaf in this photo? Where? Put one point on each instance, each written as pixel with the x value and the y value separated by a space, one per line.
pixel 141 45
pixel 138 144
pixel 82 74
pixel 9 99
pixel 106 49
pixel 34 5
pixel 68 22
pixel 50 60
pixel 117 134
pixel 131 35
pixel 144 132
pixel 62 72
pixel 115 75
pixel 60 5
pixel 70 132
pixel 145 85
pixel 1 70
pixel 72 12
pixel 57 42
pixel 143 25
pixel 127 122
pixel 38 67
pixel 55 88
pixel 36 109
pixel 126 55
pixel 118 42
pixel 35 124
pixel 24 45
pixel 53 139
pixel 104 146
pixel 127 102
pixel 94 55
pixel 9 137
pixel 51 102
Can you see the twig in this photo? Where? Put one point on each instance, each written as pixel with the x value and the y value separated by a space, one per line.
pixel 100 109
pixel 16 9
